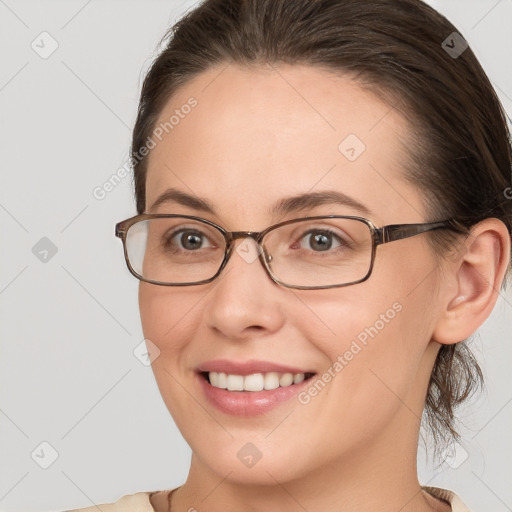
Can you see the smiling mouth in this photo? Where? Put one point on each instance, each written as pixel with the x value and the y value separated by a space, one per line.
pixel 254 382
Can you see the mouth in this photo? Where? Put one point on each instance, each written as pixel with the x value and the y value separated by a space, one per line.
pixel 252 394
pixel 251 387
pixel 254 382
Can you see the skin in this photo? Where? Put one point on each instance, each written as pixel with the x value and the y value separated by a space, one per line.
pixel 256 136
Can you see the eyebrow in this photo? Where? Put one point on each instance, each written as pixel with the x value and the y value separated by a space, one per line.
pixel 283 207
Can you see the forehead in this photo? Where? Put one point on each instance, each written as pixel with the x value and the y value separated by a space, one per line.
pixel 255 135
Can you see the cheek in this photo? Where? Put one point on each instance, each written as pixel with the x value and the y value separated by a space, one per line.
pixel 165 311
pixel 369 366
pixel 373 335
pixel 357 333
pixel 170 319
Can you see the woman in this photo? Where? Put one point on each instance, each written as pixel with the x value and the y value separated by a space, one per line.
pixel 323 220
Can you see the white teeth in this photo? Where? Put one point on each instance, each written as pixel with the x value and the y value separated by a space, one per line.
pixel 286 380
pixel 214 379
pixel 222 380
pixel 235 383
pixel 271 380
pixel 298 377
pixel 255 381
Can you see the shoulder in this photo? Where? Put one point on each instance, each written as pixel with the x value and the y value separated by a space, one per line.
pixel 138 502
pixel 448 496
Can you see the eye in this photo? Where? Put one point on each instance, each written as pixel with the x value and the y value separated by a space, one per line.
pixel 320 240
pixel 188 240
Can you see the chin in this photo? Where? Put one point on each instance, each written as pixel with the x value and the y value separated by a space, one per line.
pixel 260 463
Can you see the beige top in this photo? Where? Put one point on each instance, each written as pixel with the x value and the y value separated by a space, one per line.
pixel 139 502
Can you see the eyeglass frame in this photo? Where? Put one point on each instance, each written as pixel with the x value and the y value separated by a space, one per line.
pixel 380 235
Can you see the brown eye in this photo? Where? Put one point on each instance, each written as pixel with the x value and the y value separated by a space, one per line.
pixel 188 240
pixel 319 241
pixel 191 241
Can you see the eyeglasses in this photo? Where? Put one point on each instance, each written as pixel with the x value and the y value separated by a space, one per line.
pixel 309 253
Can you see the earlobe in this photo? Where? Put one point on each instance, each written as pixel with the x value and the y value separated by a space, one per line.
pixel 478 274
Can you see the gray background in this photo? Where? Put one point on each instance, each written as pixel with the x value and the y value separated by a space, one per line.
pixel 69 325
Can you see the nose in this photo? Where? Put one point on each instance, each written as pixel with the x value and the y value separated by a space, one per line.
pixel 244 300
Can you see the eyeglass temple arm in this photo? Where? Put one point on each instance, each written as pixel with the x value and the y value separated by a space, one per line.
pixel 394 232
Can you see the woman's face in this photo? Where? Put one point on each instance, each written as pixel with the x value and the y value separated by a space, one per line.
pixel 248 139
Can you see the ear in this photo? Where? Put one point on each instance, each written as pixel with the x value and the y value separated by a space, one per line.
pixel 472 281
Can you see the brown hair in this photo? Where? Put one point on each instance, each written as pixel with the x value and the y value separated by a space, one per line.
pixel 461 153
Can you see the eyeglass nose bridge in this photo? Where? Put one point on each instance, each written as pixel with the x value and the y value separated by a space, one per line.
pixel 231 236
pixel 257 236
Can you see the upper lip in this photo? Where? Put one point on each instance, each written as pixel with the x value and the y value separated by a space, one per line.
pixel 247 367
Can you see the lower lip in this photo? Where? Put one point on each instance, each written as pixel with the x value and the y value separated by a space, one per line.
pixel 248 403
